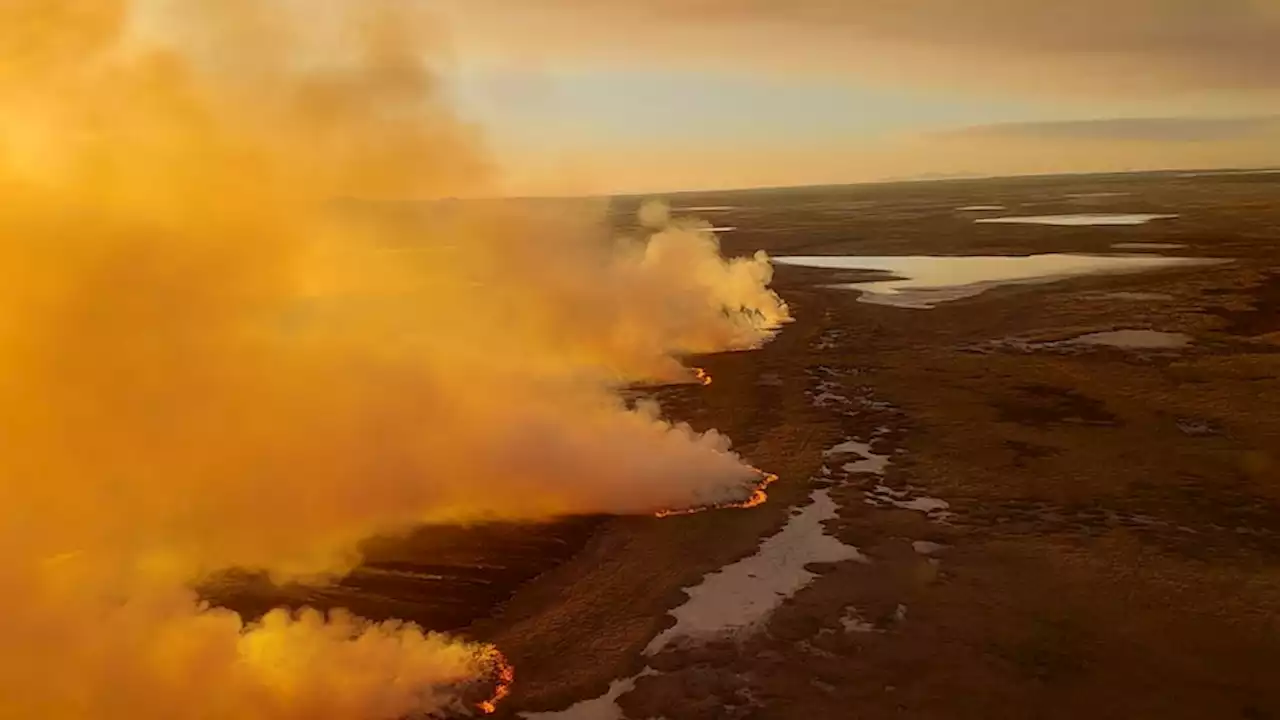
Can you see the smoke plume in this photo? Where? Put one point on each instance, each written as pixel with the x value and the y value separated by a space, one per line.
pixel 227 339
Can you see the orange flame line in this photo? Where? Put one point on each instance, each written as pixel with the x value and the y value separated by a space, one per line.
pixel 504 675
pixel 758 498
pixel 703 376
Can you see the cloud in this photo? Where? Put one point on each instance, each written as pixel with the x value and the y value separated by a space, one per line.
pixel 1103 47
pixel 206 361
pixel 1172 129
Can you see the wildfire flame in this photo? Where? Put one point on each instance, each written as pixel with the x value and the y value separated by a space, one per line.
pixel 758 497
pixel 504 675
pixel 702 375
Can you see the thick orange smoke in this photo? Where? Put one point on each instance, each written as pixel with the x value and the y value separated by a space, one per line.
pixel 217 350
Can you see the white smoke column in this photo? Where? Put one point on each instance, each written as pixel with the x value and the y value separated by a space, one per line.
pixel 205 364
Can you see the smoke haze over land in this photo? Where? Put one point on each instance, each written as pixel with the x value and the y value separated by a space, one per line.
pixel 206 362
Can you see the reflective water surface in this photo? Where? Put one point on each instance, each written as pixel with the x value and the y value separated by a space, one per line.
pixel 1078 219
pixel 924 281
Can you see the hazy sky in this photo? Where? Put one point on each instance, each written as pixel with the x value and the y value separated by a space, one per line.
pixel 635 95
pixel 658 94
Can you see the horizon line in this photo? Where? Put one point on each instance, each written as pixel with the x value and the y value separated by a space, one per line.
pixel 888 181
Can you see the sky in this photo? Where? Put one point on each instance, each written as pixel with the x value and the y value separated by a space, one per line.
pixel 633 96
pixel 644 95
